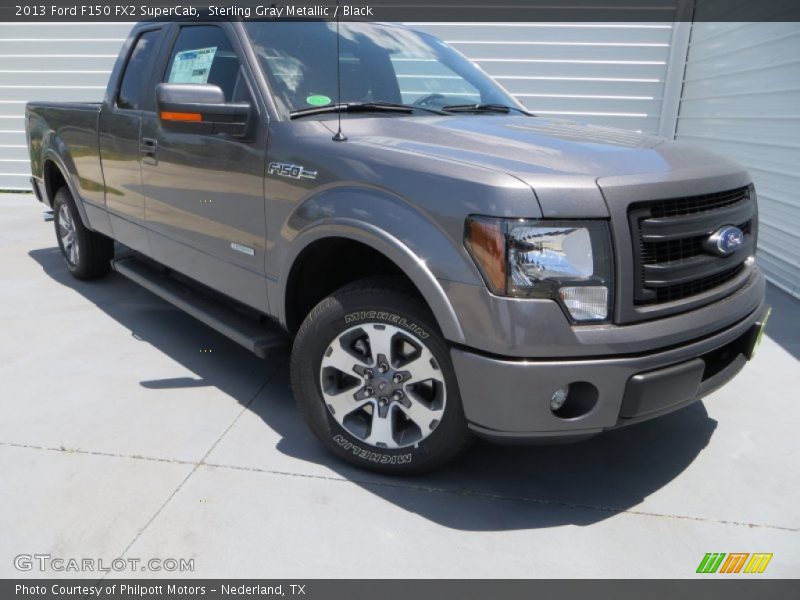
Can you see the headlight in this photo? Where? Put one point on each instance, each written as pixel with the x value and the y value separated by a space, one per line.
pixel 568 261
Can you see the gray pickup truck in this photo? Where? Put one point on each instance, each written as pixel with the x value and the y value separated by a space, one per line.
pixel 447 264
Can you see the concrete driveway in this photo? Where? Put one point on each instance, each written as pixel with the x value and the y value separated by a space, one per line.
pixel 128 429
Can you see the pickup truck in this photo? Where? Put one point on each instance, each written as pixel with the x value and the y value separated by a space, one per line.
pixel 445 264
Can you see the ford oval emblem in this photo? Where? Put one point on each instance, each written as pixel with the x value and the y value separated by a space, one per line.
pixel 726 240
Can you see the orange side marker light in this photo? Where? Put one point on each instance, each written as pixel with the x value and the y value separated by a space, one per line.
pixel 181 116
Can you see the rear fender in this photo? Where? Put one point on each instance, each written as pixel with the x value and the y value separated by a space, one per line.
pixel 58 154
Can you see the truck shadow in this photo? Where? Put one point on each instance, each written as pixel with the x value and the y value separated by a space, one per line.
pixel 492 488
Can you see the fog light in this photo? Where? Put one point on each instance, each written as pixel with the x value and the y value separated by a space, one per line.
pixel 558 399
pixel 585 302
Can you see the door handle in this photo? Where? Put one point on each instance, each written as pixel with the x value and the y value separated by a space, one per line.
pixel 148 148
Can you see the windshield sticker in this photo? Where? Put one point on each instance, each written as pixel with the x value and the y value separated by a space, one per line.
pixel 318 100
pixel 192 66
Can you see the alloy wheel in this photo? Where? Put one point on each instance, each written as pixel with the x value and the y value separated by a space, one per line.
pixel 68 235
pixel 383 385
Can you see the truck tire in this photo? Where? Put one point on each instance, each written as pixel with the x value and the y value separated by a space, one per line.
pixel 87 254
pixel 372 376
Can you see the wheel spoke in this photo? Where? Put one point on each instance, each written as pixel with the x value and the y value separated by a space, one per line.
pixel 380 340
pixel 381 429
pixel 420 414
pixel 420 369
pixel 342 360
pixel 343 404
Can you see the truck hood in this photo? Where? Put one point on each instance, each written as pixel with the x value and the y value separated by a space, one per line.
pixel 546 154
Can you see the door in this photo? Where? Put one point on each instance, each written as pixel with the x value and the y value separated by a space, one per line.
pixel 119 128
pixel 204 197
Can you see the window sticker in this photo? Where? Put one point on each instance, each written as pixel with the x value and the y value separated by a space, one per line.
pixel 192 66
pixel 318 100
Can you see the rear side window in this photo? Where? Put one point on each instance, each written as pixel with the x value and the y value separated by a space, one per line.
pixel 204 54
pixel 137 70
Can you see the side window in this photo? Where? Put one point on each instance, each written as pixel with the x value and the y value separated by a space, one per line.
pixel 204 54
pixel 137 71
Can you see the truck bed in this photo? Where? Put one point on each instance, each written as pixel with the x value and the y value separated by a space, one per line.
pixel 49 104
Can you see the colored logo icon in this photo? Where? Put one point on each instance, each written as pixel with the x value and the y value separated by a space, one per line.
pixel 735 562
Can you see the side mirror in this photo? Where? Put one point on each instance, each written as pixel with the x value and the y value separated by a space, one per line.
pixel 200 108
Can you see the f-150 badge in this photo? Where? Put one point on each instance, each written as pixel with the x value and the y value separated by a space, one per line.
pixel 290 170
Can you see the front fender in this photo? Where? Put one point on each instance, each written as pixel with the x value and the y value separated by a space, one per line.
pixel 390 225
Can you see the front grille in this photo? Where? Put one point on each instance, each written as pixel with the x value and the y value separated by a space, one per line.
pixel 670 238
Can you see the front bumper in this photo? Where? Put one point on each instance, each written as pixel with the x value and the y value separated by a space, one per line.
pixel 508 400
pixel 536 329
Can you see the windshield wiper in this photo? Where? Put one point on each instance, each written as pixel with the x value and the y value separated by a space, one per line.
pixel 390 107
pixel 436 111
pixel 478 108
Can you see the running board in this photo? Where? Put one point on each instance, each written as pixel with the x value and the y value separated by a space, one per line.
pixel 256 337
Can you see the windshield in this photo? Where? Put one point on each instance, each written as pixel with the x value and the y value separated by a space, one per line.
pixel 379 63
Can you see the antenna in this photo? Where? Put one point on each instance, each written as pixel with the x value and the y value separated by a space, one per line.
pixel 339 137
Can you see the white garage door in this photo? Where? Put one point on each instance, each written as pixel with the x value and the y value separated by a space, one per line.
pixel 604 73
pixel 741 98
pixel 50 61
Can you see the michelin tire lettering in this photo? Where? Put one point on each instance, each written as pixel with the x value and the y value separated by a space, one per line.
pixel 371 315
pixel 384 459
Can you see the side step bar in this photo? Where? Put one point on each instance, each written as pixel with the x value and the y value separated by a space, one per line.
pixel 256 337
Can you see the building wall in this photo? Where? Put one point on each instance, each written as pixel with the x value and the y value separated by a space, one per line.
pixel 604 73
pixel 741 99
pixel 48 61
